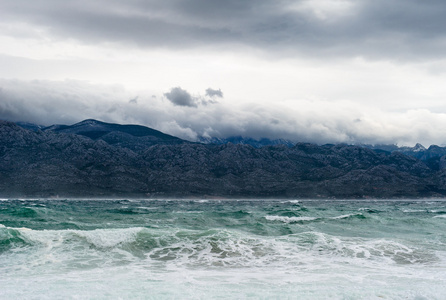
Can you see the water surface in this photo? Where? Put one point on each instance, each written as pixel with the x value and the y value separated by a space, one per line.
pixel 201 249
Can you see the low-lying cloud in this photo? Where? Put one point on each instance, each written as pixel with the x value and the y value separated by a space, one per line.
pixel 68 102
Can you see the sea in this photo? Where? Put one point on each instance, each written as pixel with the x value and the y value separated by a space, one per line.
pixel 222 249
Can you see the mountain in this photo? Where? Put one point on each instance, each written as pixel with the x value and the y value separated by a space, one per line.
pixel 431 156
pixel 239 140
pixel 134 137
pixel 30 126
pixel 47 163
pixel 56 162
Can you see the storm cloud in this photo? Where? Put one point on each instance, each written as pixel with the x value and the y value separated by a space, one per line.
pixel 397 29
pixel 180 97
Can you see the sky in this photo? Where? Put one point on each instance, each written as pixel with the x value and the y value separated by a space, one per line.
pixel 320 71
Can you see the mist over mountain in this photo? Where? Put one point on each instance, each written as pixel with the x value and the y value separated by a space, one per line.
pixel 207 115
pixel 98 159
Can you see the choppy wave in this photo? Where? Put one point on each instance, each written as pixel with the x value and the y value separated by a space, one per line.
pixel 440 216
pixel 65 239
pixel 222 249
pixel 217 247
pixel 302 219
pixel 346 216
pixel 414 210
pixel 290 219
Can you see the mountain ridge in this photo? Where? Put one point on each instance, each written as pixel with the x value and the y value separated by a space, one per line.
pixel 417 151
pixel 134 137
pixel 49 163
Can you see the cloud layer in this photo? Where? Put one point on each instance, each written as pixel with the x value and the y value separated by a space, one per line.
pixel 68 102
pixel 397 29
pixel 354 71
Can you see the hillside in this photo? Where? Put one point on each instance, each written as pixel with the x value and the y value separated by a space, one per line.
pixel 72 162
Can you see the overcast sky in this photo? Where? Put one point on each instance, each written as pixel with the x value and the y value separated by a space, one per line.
pixel 323 71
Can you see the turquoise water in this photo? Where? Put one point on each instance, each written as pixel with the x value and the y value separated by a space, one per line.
pixel 226 249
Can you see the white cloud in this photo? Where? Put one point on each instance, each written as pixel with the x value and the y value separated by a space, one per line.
pixel 318 121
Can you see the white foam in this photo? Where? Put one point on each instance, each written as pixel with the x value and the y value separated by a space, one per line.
pixel 290 201
pixel 228 262
pixel 345 216
pixel 225 264
pixel 303 219
pixel 289 219
pixel 148 208
pixel 440 216
pixel 413 210
pixel 101 238
pixel 107 238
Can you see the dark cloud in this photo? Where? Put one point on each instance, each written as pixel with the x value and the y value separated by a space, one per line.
pixel 397 29
pixel 214 93
pixel 180 97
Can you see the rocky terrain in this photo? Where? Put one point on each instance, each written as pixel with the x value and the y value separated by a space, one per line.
pixel 256 143
pixel 96 159
pixel 134 137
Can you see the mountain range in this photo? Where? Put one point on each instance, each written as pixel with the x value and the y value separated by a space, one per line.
pixel 98 159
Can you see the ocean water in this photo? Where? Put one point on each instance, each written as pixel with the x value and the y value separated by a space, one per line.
pixel 222 249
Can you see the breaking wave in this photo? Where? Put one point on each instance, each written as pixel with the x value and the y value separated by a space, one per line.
pixel 222 249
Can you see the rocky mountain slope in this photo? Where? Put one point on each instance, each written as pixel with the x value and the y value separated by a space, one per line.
pixel 57 162
pixel 257 143
pixel 134 137
pixel 434 156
